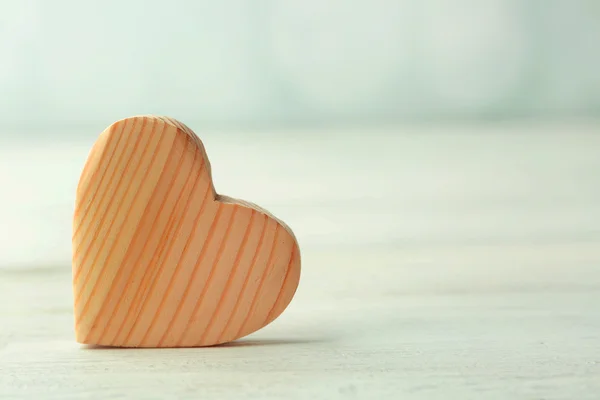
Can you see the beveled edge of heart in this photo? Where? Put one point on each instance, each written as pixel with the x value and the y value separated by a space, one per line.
pixel 180 127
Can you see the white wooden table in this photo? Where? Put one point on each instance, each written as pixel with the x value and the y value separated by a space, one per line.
pixel 437 265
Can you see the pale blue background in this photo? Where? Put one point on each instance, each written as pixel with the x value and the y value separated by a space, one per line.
pixel 468 119
pixel 237 63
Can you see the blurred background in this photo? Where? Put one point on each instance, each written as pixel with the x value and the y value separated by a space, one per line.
pixel 381 123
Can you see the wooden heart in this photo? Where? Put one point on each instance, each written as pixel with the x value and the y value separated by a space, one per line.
pixel 159 258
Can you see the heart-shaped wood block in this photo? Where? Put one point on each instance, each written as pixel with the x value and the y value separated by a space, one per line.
pixel 159 258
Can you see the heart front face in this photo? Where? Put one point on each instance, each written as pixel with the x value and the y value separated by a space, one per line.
pixel 161 260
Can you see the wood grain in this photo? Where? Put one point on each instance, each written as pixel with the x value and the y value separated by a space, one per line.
pixel 476 276
pixel 159 258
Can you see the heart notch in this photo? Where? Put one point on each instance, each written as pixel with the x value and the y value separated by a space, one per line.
pixel 159 258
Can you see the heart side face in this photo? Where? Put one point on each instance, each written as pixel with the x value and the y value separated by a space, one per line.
pixel 159 258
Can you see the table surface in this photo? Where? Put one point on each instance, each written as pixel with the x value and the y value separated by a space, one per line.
pixel 436 265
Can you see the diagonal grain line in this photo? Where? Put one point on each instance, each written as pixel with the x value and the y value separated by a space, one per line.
pixel 95 212
pixel 101 162
pixel 144 178
pixel 87 203
pixel 211 273
pixel 140 290
pixel 86 168
pixel 232 274
pixel 181 126
pixel 285 279
pixel 101 222
pixel 167 252
pixel 137 231
pixel 177 266
pixel 102 218
pixel 247 279
pixel 149 276
pixel 85 207
pixel 262 281
pixel 173 122
pixel 106 193
pixel 165 120
pixel 103 243
pixel 186 292
pixel 174 227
